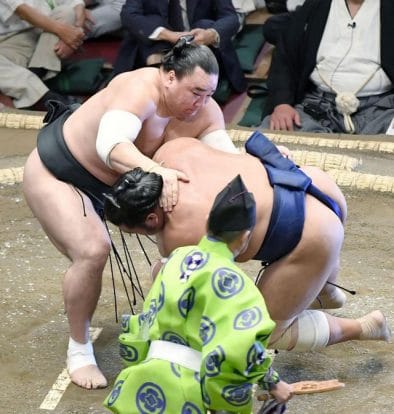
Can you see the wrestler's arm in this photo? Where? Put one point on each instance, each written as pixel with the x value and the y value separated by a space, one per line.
pixel 216 136
pixel 214 131
pixel 118 129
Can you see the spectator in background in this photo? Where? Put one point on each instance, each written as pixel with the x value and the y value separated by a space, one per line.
pixel 105 16
pixel 274 25
pixel 333 69
pixel 244 7
pixel 155 25
pixel 34 38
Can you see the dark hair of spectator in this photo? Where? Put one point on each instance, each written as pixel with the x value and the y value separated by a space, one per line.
pixel 185 56
pixel 133 197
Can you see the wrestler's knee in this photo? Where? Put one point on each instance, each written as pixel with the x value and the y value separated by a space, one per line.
pixel 94 253
pixel 309 332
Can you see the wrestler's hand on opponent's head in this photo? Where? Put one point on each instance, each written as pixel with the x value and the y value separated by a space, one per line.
pixel 169 194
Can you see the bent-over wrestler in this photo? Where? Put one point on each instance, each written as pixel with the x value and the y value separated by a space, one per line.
pixel 298 233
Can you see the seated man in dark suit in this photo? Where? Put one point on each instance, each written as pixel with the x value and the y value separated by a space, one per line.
pixel 155 25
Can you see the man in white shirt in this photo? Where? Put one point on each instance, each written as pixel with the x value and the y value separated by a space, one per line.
pixel 333 69
pixel 35 35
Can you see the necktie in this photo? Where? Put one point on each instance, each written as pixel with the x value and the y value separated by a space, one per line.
pixel 175 15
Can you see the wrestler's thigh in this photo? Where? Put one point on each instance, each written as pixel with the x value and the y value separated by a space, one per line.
pixel 293 282
pixel 289 287
pixel 59 209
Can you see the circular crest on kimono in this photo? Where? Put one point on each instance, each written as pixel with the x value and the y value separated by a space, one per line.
pixel 186 301
pixel 237 394
pixel 207 330
pixel 248 318
pixel 150 399
pixel 195 260
pixel 213 361
pixel 190 408
pixel 174 337
pixel 226 282
pixel 115 393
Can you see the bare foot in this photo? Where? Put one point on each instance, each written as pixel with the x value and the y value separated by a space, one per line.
pixel 89 377
pixel 374 327
pixel 82 366
pixel 329 298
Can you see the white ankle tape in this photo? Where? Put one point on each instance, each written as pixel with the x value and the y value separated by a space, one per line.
pixel 79 355
pixel 313 333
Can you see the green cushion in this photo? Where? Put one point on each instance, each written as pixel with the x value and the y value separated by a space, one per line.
pixel 255 112
pixel 78 77
pixel 248 43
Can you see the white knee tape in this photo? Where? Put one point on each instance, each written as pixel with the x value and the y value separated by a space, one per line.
pixel 313 333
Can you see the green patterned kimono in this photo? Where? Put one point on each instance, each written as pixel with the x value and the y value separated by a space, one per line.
pixel 202 300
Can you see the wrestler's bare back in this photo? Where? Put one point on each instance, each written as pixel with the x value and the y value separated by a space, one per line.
pixel 209 170
pixel 139 92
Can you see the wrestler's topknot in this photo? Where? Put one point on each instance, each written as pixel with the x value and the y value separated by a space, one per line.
pixel 186 55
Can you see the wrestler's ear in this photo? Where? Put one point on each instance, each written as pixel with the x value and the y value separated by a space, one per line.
pixel 152 220
pixel 170 77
